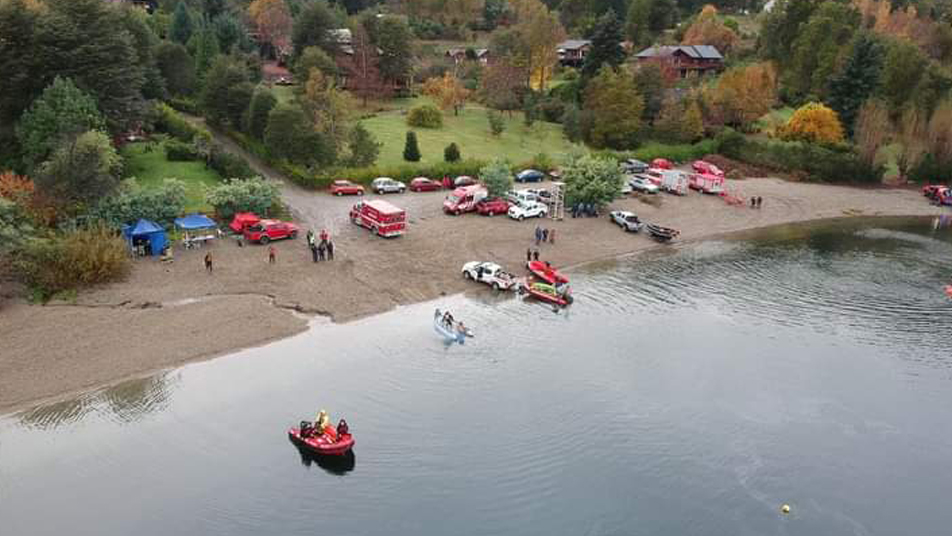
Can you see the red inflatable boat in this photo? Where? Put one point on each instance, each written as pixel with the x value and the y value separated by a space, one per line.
pixel 948 290
pixel 327 443
pixel 546 273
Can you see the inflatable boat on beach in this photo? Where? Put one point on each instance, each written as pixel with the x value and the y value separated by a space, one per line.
pixel 546 273
pixel 662 234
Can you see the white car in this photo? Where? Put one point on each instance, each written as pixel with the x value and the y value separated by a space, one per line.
pixel 627 220
pixel 528 209
pixel 490 273
pixel 641 184
pixel 386 185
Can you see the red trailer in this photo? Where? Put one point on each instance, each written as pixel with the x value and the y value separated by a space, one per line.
pixel 380 217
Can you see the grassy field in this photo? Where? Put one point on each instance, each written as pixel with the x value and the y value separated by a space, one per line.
pixel 470 131
pixel 150 168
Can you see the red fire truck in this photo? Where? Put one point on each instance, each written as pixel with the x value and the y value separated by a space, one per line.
pixel 380 217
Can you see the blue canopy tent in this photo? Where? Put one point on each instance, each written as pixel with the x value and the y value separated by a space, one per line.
pixel 147 234
pixel 197 228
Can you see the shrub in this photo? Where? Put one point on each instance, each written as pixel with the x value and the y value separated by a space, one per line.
pixel 161 205
pixel 178 151
pixel 229 165
pixel 425 116
pixel 253 195
pixel 411 150
pixel 171 122
pixel 496 123
pixel 816 162
pixel 85 256
pixel 497 177
pixel 813 123
pixel 451 153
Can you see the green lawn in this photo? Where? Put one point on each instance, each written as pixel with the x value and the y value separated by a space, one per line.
pixel 150 168
pixel 470 131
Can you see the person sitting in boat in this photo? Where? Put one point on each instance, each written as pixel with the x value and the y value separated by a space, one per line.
pixel 342 428
pixel 448 319
pixel 322 420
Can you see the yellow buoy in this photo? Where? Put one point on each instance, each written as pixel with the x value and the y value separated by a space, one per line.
pixel 785 508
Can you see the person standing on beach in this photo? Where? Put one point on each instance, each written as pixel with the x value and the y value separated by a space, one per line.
pixel 528 254
pixel 760 201
pixel 208 262
pixel 330 250
pixel 325 236
pixel 271 255
pixel 753 202
pixel 313 251
pixel 310 238
pixel 538 234
pixel 535 254
pixel 545 235
pixel 321 248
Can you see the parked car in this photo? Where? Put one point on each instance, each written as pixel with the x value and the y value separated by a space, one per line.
pixel 662 163
pixel 706 168
pixel 530 175
pixel 933 190
pixel 492 206
pixel 464 180
pixel 642 184
pixel 423 184
pixel 633 165
pixel 541 193
pixel 527 209
pixel 380 217
pixel 626 220
pixel 464 199
pixel 521 196
pixel 343 187
pixel 386 185
pixel 490 273
pixel 243 220
pixel 626 189
pixel 267 230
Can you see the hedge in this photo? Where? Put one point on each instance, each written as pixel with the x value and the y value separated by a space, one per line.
pixel 673 152
pixel 171 122
pixel 815 162
pixel 178 151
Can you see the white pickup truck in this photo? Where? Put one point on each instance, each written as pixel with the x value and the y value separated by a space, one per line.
pixel 489 273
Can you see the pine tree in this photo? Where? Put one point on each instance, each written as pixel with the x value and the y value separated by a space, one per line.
pixel 364 148
pixel 606 45
pixel 857 80
pixel 451 153
pixel 180 30
pixel 411 151
pixel 206 51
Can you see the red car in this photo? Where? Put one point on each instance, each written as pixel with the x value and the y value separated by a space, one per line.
pixel 267 230
pixel 346 188
pixel 706 168
pixel 932 190
pixel 661 163
pixel 493 206
pixel 423 184
pixel 464 180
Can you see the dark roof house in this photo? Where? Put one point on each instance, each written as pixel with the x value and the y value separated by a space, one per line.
pixel 684 59
pixel 573 51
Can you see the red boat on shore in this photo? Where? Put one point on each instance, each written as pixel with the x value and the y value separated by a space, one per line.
pixel 546 273
pixel 559 294
pixel 327 443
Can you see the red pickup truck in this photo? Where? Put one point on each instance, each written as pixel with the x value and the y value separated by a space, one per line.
pixel 380 217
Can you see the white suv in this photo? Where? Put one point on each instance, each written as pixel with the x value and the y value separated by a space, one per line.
pixel 528 209
pixel 384 185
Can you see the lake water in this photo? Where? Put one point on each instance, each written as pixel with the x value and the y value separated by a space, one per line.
pixel 689 391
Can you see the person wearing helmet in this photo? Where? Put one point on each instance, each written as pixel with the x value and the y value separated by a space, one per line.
pixel 322 420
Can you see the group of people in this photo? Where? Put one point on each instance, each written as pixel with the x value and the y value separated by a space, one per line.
pixel 323 249
pixel 543 235
pixel 321 423
pixel 449 322
pixel 584 209
pixel 756 202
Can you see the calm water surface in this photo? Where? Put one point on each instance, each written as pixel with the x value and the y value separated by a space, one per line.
pixel 691 391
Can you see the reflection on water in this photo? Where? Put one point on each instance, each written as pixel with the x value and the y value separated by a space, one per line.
pixel 126 402
pixel 335 465
pixel 691 390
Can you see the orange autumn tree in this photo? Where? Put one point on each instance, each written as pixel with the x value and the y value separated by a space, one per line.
pixel 448 92
pixel 708 29
pixel 273 21
pixel 20 190
pixel 741 95
pixel 813 123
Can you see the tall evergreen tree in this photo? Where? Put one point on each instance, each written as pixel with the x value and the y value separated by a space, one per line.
pixel 857 79
pixel 177 68
pixel 312 28
pixel 261 105
pixel 206 50
pixel 411 150
pixel 182 26
pixel 224 75
pixel 606 45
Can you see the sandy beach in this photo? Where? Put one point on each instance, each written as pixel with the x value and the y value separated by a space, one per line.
pixel 165 315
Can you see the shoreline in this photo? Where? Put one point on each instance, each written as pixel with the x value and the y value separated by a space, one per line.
pixel 164 317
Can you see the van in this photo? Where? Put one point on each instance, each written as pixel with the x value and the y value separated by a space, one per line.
pixel 522 196
pixel 380 217
pixel 464 199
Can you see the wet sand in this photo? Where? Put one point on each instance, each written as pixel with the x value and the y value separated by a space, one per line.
pixel 165 315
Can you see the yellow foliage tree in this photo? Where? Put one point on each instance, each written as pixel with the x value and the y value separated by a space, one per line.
pixel 273 21
pixel 741 95
pixel 540 33
pixel 814 123
pixel 708 29
pixel 448 92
